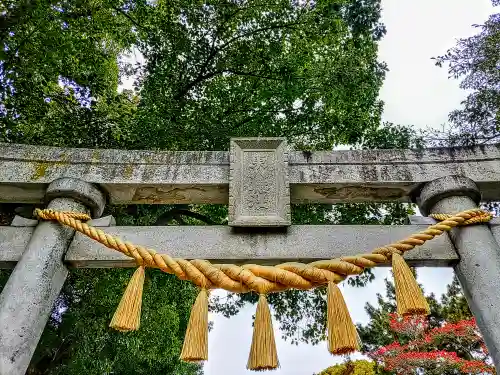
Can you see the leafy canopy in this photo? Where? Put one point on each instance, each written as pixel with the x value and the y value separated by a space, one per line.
pixel 476 61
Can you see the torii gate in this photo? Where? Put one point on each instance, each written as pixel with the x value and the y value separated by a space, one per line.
pixel 259 178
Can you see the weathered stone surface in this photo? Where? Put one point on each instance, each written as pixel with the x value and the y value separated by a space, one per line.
pixel 414 219
pixel 126 176
pixel 479 267
pixel 203 177
pixel 14 239
pixel 20 221
pixel 444 187
pixel 301 243
pixel 259 193
pixel 106 221
pixel 221 245
pixel 30 293
pixel 73 188
pixel 13 242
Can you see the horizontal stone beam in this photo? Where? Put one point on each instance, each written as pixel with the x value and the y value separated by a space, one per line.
pixel 13 241
pixel 221 244
pixel 203 177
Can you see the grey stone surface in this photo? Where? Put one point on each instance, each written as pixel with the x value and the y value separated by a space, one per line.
pixel 126 176
pixel 479 267
pixel 31 290
pixel 203 177
pixel 20 221
pixel 73 188
pixel 106 221
pixel 13 241
pixel 259 192
pixel 414 219
pixel 444 187
pixel 221 245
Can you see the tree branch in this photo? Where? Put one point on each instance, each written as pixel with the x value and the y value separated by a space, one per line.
pixel 249 74
pixel 168 216
pixel 201 76
pixel 256 31
pixel 129 18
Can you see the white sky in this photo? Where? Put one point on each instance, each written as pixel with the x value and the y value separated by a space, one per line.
pixel 416 93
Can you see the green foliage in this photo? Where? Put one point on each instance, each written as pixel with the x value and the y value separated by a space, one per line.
pixel 221 69
pixel 377 333
pixel 79 341
pixel 213 70
pixel 454 307
pixel 475 61
pixel 75 43
pixel 392 136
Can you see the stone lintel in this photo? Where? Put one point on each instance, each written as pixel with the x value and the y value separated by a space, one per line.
pixel 220 244
pixel 203 177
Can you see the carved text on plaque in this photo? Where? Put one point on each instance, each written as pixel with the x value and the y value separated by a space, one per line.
pixel 259 192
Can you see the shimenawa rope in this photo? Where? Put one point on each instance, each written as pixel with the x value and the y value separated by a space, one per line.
pixel 267 279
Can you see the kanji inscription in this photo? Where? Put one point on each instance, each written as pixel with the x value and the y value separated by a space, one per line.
pixel 259 192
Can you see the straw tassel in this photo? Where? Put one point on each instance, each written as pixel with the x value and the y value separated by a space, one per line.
pixel 342 334
pixel 263 354
pixel 195 348
pixel 409 297
pixel 127 316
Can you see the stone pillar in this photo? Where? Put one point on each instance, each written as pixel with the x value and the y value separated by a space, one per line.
pixel 479 266
pixel 29 295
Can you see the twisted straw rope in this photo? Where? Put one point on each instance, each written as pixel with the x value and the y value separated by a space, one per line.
pixel 264 279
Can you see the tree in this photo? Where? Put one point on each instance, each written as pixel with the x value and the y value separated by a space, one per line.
pixel 79 341
pixel 58 70
pixel 377 332
pixel 453 348
pixel 304 70
pixel 447 336
pixel 476 61
pixel 59 74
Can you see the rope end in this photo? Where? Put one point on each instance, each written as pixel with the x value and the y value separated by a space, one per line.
pixel 342 334
pixel 195 348
pixel 263 353
pixel 127 316
pixel 409 297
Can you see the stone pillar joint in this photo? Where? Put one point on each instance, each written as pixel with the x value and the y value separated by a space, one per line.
pixel 78 190
pixel 445 187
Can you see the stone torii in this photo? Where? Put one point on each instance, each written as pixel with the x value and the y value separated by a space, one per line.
pixel 259 178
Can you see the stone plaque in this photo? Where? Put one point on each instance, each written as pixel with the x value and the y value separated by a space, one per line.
pixel 259 193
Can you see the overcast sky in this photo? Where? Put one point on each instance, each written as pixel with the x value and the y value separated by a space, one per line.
pixel 416 93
